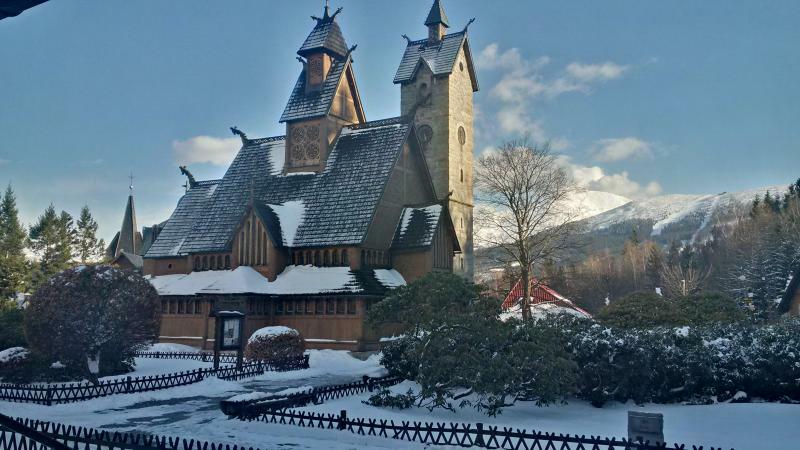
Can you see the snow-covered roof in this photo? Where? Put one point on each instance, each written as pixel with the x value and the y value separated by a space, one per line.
pixel 544 310
pixel 242 280
pixel 294 280
pixel 190 284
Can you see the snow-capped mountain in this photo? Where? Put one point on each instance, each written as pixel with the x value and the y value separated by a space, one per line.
pixel 677 216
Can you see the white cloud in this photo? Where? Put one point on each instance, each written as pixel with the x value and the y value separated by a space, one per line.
pixel 206 149
pixel 596 179
pixel 523 83
pixel 588 73
pixel 608 150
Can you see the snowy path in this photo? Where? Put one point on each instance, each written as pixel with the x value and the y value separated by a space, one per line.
pixel 193 412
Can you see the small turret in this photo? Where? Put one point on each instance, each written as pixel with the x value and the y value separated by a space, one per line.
pixel 436 23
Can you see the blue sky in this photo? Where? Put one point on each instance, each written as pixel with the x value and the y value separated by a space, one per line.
pixel 641 97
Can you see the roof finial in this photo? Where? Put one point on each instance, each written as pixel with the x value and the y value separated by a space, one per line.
pixel 130 187
pixel 466 27
pixel 236 131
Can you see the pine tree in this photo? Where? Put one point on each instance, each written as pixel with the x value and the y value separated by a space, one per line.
pixel 52 238
pixel 88 248
pixel 13 264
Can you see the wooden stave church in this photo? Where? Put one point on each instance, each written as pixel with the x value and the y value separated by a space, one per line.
pixel 377 200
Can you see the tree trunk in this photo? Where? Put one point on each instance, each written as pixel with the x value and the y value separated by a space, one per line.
pixel 526 293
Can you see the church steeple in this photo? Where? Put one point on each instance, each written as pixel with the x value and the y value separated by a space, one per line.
pixel 436 22
pixel 324 99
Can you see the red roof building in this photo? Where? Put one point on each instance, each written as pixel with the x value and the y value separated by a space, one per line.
pixel 543 297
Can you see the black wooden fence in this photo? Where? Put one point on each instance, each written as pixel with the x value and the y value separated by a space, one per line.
pixel 28 434
pixel 73 392
pixel 253 408
pixel 225 358
pixel 460 434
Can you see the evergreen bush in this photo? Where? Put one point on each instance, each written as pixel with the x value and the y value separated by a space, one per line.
pixel 92 314
pixel 641 310
pixel 275 345
pixel 11 319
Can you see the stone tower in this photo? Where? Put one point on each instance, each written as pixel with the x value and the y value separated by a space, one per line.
pixel 437 82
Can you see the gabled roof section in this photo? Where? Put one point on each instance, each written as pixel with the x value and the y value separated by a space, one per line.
pixel 417 227
pixel 302 105
pixel 347 192
pixel 440 57
pixel 326 36
pixel 178 227
pixel 271 222
pixel 339 203
pixel 437 15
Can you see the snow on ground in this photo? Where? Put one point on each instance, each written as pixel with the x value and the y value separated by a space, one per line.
pixel 741 426
pixel 171 348
pixel 154 366
pixel 193 412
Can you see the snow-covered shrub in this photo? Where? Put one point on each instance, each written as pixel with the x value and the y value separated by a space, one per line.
pixel 697 364
pixel 11 318
pixel 275 345
pixel 461 354
pixel 641 310
pixel 98 313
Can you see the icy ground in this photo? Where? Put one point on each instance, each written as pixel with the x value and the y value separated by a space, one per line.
pixel 193 412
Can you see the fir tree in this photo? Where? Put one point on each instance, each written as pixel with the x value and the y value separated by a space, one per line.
pixel 13 264
pixel 52 238
pixel 88 247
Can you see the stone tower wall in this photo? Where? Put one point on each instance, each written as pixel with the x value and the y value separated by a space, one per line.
pixel 449 109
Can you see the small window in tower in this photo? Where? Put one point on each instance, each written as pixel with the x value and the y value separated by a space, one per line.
pixel 462 135
pixel 425 133
pixel 462 175
pixel 461 66
pixel 424 95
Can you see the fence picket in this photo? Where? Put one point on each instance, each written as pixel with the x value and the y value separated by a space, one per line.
pixel 73 392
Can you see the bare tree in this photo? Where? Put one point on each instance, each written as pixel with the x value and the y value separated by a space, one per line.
pixel 523 208
pixel 679 281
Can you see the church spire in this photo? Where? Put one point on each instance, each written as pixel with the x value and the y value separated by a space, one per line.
pixel 436 22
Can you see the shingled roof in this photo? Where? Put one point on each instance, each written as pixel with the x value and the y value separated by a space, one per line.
pixel 437 15
pixel 417 227
pixel 326 36
pixel 339 202
pixel 302 105
pixel 440 57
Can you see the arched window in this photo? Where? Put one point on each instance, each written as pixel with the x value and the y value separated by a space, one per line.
pixel 345 258
pixel 327 258
pixel 335 256
pixel 212 264
pixel 227 261
pixel 205 262
pixel 462 175
pixel 219 262
pixel 317 259
pixel 364 261
pixel 196 263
